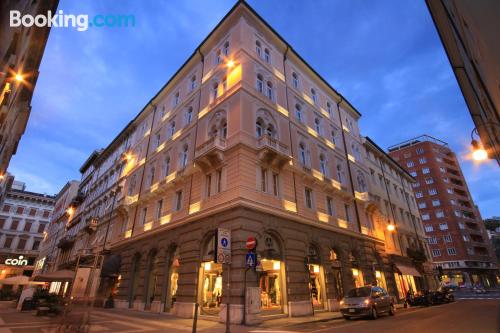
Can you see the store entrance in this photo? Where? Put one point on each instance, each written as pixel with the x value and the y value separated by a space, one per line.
pixel 211 292
pixel 172 282
pixel 270 284
pixel 316 286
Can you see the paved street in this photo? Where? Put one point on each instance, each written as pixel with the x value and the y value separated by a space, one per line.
pixel 462 316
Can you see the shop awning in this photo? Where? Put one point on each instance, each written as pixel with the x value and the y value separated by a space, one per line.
pixel 17 280
pixel 62 275
pixel 408 270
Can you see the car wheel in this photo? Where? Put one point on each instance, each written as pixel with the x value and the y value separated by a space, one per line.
pixel 347 317
pixel 392 310
pixel 374 313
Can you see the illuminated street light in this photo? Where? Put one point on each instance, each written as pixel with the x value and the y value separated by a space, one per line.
pixel 230 63
pixel 70 210
pixel 391 227
pixel 18 77
pixel 128 157
pixel 478 152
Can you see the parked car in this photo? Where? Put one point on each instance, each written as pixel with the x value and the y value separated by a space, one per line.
pixel 368 301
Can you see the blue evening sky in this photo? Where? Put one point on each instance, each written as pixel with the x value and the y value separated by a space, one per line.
pixel 384 56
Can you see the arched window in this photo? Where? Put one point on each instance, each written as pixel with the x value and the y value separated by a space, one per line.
pixel 226 48
pixel 213 131
pixel 215 90
pixel 317 125
pixel 356 152
pixel 329 108
pixel 361 182
pixel 270 130
pixel 189 115
pixel 166 166
pixel 340 174
pixel 334 137
pixel 260 83
pixel 184 156
pixel 151 175
pixel 302 153
pixel 171 129
pixel 192 83
pixel 267 56
pixel 298 112
pixel 295 80
pixel 314 96
pixel 269 90
pixel 224 128
pixel 258 48
pixel 176 98
pixel 322 165
pixel 218 57
pixel 259 127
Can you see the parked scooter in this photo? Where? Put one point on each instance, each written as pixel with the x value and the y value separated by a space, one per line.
pixel 419 299
pixel 442 295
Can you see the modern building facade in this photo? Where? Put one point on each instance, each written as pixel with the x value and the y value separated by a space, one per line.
pixel 452 222
pixel 24 217
pixel 21 51
pixel 248 138
pixel 468 31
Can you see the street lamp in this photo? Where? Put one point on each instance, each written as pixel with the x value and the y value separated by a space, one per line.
pixel 478 152
pixel 230 63
pixel 18 77
pixel 391 227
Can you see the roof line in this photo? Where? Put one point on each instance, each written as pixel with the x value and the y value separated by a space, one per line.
pixel 388 156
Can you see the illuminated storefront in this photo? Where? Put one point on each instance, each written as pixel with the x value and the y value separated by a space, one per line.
pixel 270 285
pixel 357 275
pixel 211 287
pixel 316 283
pixel 380 278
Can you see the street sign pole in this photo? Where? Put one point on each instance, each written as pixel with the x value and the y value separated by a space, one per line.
pixel 228 327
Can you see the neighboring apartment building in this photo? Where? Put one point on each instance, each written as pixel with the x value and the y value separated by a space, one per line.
pixel 246 136
pixel 24 217
pixel 469 33
pixel 56 229
pixel 21 51
pixel 492 225
pixel 454 228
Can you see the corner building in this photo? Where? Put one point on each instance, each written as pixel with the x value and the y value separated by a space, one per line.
pixel 453 225
pixel 246 136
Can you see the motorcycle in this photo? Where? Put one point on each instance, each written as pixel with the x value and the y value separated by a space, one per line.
pixel 419 299
pixel 442 295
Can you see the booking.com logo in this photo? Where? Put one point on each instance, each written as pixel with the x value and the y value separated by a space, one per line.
pixel 60 20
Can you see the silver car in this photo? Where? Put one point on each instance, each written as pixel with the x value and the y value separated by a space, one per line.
pixel 368 301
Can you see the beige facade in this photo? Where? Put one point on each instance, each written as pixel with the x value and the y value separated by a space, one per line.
pixel 246 136
pixel 21 51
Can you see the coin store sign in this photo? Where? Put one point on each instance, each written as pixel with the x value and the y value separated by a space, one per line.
pixel 19 261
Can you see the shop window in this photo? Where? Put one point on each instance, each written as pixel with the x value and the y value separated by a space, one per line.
pixel 358 278
pixel 211 295
pixel 270 284
pixel 380 278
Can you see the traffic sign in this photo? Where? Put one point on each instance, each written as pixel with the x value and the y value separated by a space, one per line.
pixel 250 260
pixel 251 243
pixel 223 246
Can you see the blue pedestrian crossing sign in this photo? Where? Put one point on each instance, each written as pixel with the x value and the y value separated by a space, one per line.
pixel 250 260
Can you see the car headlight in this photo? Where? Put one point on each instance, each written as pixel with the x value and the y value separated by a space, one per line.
pixel 342 303
pixel 366 303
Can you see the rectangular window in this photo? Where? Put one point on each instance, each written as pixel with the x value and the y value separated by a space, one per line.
pixel 436 253
pixel 27 226
pixel 21 244
pixel 450 191
pixel 276 184
pixel 432 240
pixel 466 238
pixel 429 181
pixel 20 210
pixel 442 170
pixel 439 214
pixel 422 205
pixel 144 215
pixel 470 251
pixel 426 171
pixel 422 160
pixel 36 245
pixel 178 200
pixel 432 191
pixel 451 251
pixel 420 151
pixel 410 164
pixel 447 238
pixel 263 180
pixel 2 223
pixel 159 208
pixel 436 202
pixel 443 226
pixel 6 208
pixel 46 214
pixel 415 185
pixel 429 228
pixel 461 226
pixel 14 225
pixel 208 182
pixel 413 174
pixel 308 195
pixel 32 211
pixel 8 242
pixel 426 217
pixel 453 202
pixel 347 215
pixel 418 195
pixel 329 206
pixel 219 181
pixel 458 214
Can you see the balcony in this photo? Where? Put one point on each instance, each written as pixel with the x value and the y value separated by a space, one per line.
pixel 416 254
pixel 66 242
pixel 78 199
pixel 91 225
pixel 272 152
pixel 210 154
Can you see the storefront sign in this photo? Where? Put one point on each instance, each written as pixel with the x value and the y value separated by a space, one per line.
pixel 20 261
pixel 223 246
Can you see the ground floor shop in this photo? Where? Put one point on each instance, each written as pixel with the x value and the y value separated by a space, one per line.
pixel 301 268
pixel 487 278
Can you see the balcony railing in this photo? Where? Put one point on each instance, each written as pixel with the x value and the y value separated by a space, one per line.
pixel 215 142
pixel 272 151
pixel 210 153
